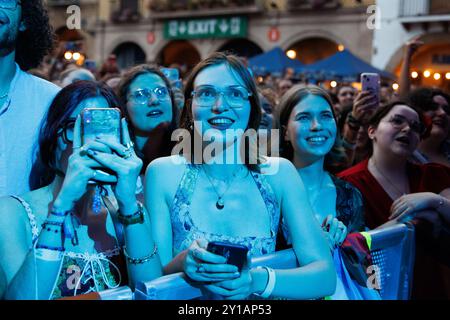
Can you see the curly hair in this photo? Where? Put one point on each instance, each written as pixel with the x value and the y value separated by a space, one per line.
pixel 37 40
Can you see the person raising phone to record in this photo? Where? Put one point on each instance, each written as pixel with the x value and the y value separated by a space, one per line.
pixel 78 248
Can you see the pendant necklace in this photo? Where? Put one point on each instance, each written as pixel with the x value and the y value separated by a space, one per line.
pixel 220 203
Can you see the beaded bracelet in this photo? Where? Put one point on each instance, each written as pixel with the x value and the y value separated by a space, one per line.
pixel 140 260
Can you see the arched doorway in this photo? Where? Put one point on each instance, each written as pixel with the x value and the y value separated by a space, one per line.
pixel 242 48
pixel 129 54
pixel 312 49
pixel 181 53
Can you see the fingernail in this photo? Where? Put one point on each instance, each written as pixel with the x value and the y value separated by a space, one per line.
pixel 91 152
pixel 236 274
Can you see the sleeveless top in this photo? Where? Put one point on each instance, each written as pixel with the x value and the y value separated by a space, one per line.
pixel 82 273
pixel 184 231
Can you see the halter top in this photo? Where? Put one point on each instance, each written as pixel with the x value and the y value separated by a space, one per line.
pixel 184 230
pixel 82 273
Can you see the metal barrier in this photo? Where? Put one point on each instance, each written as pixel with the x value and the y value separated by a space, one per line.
pixel 392 251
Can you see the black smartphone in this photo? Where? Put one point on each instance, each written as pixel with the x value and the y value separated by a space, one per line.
pixel 100 122
pixel 235 254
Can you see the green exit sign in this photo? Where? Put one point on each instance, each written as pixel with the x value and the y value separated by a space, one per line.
pixel 226 27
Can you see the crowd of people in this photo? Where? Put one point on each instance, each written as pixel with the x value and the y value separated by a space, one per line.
pixel 82 216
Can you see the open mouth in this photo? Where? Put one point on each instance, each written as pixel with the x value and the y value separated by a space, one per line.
pixel 154 113
pixel 440 123
pixel 404 140
pixel 221 122
pixel 317 139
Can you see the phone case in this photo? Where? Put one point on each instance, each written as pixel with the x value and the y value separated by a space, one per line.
pixel 100 122
pixel 171 73
pixel 234 253
pixel 371 82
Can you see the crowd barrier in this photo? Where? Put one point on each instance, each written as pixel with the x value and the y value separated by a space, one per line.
pixel 392 251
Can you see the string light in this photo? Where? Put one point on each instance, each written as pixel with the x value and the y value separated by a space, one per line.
pixel 291 54
pixel 427 73
pixel 447 76
pixel 437 76
pixel 68 55
pixel 341 47
pixel 333 84
pixel 395 86
pixel 414 74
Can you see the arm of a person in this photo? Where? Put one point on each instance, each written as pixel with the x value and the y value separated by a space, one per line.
pixel 316 276
pixel 30 277
pixel 140 245
pixel 444 208
pixel 156 204
pixel 2 283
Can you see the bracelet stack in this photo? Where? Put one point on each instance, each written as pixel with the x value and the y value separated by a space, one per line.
pixel 140 260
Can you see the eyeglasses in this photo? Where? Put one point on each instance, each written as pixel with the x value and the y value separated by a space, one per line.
pixel 66 132
pixel 207 96
pixel 399 122
pixel 141 96
pixel 9 4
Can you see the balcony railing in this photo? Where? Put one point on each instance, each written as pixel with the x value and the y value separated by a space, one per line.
pixel 312 4
pixel 182 8
pixel 412 8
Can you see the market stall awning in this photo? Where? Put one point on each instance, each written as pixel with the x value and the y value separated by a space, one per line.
pixel 274 61
pixel 343 65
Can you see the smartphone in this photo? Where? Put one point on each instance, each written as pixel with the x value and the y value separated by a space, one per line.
pixel 100 122
pixel 371 82
pixel 235 254
pixel 174 76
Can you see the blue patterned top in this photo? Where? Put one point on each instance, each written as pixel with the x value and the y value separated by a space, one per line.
pixel 184 231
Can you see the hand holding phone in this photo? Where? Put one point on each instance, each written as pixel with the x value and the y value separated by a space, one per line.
pixel 174 77
pixel 103 123
pixel 234 253
pixel 371 82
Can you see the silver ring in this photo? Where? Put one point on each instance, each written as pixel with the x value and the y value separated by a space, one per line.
pixel 129 145
pixel 127 155
pixel 200 269
pixel 95 174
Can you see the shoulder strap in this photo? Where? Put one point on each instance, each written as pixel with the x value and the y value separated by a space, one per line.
pixel 31 218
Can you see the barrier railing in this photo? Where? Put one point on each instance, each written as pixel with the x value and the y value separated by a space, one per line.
pixel 392 251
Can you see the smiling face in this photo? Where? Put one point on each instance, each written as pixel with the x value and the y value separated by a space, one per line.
pixel 311 129
pixel 221 115
pixel 64 150
pixel 10 25
pixel 440 117
pixel 147 113
pixel 391 138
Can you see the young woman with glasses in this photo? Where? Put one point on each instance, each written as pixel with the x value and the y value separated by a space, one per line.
pixel 149 106
pixel 201 195
pixel 394 188
pixel 61 240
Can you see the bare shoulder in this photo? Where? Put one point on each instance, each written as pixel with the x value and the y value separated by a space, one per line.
pixel 165 172
pixel 280 172
pixel 13 216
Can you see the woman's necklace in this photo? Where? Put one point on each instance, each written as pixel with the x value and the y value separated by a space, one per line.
pixel 387 179
pixel 220 203
pixel 316 192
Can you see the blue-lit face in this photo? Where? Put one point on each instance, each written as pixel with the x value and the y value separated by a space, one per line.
pixel 231 106
pixel 311 128
pixel 64 149
pixel 148 103
pixel 10 25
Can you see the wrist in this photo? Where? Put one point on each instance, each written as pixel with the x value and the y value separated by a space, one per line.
pixel 62 205
pixel 260 278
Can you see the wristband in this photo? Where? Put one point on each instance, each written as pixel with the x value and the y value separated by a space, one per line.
pixel 270 283
pixel 137 217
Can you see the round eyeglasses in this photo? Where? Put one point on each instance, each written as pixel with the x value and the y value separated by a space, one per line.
pixel 399 122
pixel 142 96
pixel 207 96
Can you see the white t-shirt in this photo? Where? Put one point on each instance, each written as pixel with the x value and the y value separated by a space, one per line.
pixel 20 119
